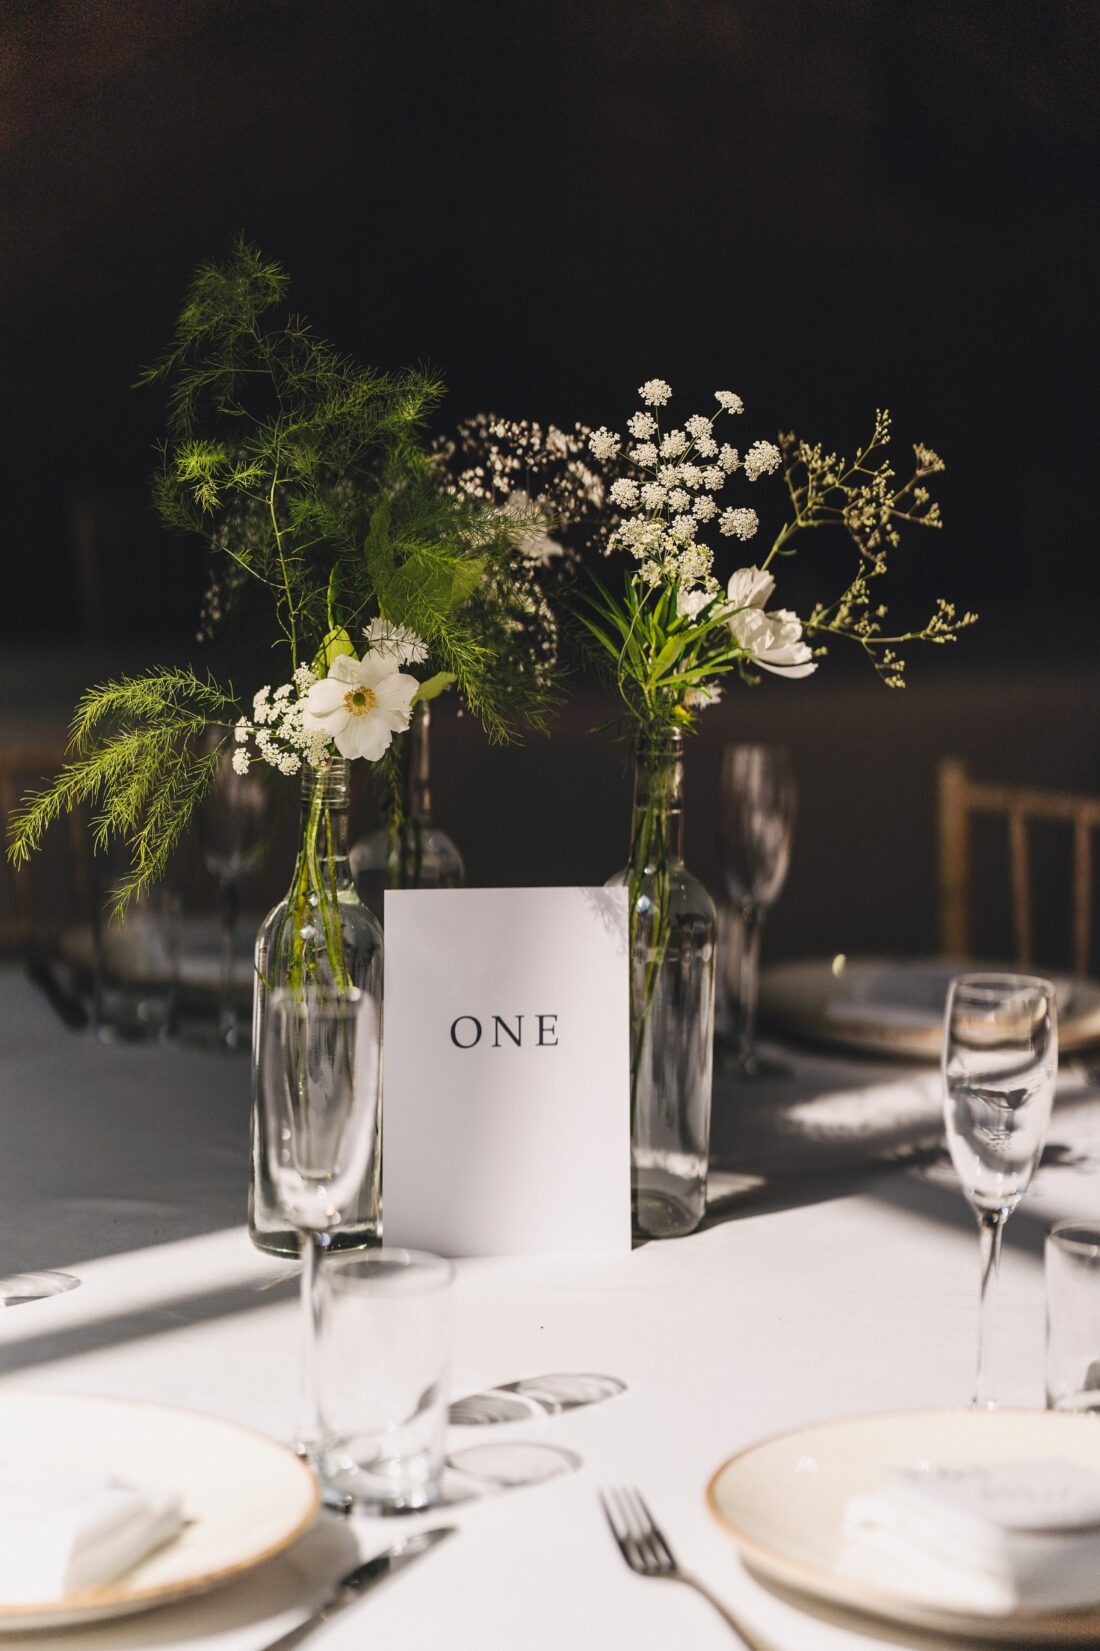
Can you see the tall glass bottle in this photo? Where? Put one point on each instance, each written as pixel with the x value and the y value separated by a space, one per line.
pixel 320 933
pixel 412 853
pixel 672 946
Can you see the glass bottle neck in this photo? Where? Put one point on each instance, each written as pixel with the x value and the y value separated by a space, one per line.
pixel 419 796
pixel 657 829
pixel 325 803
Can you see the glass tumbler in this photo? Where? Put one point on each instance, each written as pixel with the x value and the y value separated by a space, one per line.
pixel 1073 1316
pixel 384 1378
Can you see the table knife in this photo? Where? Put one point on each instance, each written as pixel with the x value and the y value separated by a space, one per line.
pixel 362 1579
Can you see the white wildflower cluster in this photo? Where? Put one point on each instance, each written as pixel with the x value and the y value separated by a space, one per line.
pixel 526 467
pixel 276 732
pixel 681 472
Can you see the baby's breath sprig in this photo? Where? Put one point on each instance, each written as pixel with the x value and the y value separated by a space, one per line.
pixel 865 498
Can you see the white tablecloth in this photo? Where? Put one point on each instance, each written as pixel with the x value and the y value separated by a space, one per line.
pixel 821 1286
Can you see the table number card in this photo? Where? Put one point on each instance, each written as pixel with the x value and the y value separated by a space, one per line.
pixel 506 1111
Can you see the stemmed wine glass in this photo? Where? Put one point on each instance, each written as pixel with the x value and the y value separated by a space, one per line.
pixel 758 799
pixel 1000 1062
pixel 232 831
pixel 321 1069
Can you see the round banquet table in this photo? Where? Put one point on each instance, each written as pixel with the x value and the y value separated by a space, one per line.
pixel 836 1274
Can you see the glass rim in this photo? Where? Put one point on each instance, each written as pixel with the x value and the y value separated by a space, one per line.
pixel 1060 1235
pixel 1000 979
pixel 432 1273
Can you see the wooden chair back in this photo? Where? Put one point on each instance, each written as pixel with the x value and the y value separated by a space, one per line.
pixel 960 798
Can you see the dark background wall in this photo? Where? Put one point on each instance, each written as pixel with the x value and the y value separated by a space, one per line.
pixel 826 204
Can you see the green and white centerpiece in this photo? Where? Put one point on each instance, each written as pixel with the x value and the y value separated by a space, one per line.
pixel 671 633
pixel 333 539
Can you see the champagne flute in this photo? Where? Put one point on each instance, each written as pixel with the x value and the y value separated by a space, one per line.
pixel 758 800
pixel 320 1094
pixel 1000 1062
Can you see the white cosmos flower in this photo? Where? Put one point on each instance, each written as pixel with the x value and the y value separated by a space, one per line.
pixel 361 704
pixel 750 587
pixel 395 643
pixel 772 640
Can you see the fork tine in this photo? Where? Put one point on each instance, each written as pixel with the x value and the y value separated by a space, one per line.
pixel 611 1514
pixel 660 1543
pixel 642 1529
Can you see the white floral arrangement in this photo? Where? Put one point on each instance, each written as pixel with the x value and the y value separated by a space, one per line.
pixel 675 631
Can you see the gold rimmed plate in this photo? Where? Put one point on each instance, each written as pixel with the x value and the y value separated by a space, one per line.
pixel 783 1502
pixel 245 1498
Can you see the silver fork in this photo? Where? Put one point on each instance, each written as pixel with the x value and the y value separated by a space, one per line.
pixel 648 1554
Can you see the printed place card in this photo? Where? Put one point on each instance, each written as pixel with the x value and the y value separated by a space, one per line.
pixel 506 1088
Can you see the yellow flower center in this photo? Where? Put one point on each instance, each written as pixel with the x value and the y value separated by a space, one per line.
pixel 358 701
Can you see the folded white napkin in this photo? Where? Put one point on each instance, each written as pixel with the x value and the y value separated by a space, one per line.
pixel 64 1529
pixel 989 1538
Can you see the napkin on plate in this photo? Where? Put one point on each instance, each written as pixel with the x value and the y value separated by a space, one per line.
pixel 989 1538
pixel 65 1529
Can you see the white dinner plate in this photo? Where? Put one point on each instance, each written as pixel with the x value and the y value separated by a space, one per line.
pixel 783 1502
pixel 245 1497
pixel 895 1006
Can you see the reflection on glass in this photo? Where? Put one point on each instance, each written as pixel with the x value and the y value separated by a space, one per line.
pixel 757 803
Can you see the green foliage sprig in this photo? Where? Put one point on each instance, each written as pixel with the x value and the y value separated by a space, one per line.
pixel 136 762
pixel 307 477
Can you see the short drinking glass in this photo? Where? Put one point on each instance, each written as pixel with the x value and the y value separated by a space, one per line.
pixel 1000 1062
pixel 384 1378
pixel 1073 1315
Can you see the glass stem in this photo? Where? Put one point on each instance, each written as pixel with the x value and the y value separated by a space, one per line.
pixel 990 1227
pixel 310 1428
pixel 748 982
pixel 231 902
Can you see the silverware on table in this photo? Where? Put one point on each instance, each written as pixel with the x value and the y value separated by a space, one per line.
pixel 648 1554
pixel 534 1397
pixel 362 1579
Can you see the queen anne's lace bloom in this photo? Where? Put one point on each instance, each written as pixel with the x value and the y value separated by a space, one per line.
pixel 604 443
pixel 740 523
pixel 642 425
pixel 729 402
pixel 645 454
pixel 729 458
pixel 624 492
pixel 761 459
pixel 655 392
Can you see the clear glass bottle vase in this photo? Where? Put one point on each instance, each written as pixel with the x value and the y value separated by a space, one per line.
pixel 320 933
pixel 673 926
pixel 411 852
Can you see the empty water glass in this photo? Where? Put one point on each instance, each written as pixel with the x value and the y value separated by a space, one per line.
pixel 385 1378
pixel 1073 1315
